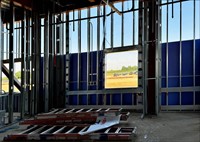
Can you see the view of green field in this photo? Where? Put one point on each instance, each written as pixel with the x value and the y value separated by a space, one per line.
pixel 5 82
pixel 125 78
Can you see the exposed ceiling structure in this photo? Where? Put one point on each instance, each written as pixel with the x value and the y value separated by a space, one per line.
pixel 55 6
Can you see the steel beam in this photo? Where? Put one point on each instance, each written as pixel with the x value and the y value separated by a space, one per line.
pixel 1 50
pixel 51 59
pixel 28 61
pixel 46 62
pixel 89 66
pixel 142 38
pixel 79 52
pixel 23 66
pixel 11 62
pixel 38 101
pixel 98 46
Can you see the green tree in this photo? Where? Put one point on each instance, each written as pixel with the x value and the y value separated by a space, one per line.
pixel 18 74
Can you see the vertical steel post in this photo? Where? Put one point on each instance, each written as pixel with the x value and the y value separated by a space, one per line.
pixel 89 66
pixel 122 26
pixel 167 52
pixel 142 38
pixel 79 55
pixel 32 97
pixel 51 59
pixel 133 7
pixel 194 46
pixel 98 44
pixel 27 97
pixel 112 29
pixel 46 62
pixel 158 55
pixel 67 59
pixel 11 62
pixel 1 49
pixel 180 52
pixel 23 65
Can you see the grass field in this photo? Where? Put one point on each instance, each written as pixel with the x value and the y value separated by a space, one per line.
pixel 126 81
pixel 5 86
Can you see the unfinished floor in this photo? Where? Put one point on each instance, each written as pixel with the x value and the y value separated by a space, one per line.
pixel 166 127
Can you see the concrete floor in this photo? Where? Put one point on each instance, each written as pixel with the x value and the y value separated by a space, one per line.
pixel 167 127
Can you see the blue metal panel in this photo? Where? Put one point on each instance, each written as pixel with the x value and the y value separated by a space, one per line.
pixel 173 60
pixel 163 99
pixel 100 99
pixel 83 68
pixel 187 81
pixel 116 99
pixel 83 85
pixel 164 60
pixel 197 63
pixel 73 86
pixel 93 99
pixel 127 99
pixel 83 99
pixel 73 100
pixel 197 98
pixel 187 98
pixel 173 82
pixel 108 99
pixel 197 57
pixel 173 98
pixel 73 67
pixel 163 83
pixel 187 58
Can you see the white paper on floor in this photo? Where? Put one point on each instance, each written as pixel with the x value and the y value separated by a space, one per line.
pixel 102 122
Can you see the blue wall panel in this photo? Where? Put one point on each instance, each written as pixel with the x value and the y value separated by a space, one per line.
pixel 73 100
pixel 173 98
pixel 187 58
pixel 83 99
pixel 100 99
pixel 164 60
pixel 116 99
pixel 83 68
pixel 187 81
pixel 197 98
pixel 173 59
pixel 173 73
pixel 93 99
pixel 163 99
pixel 197 63
pixel 127 99
pixel 174 64
pixel 187 98
pixel 197 57
pixel 173 82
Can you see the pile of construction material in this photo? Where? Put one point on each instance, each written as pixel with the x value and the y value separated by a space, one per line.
pixel 76 125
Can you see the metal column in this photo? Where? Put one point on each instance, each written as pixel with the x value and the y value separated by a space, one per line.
pixel 36 32
pixel 23 66
pixel 1 50
pixel 142 40
pixel 89 66
pixel 79 52
pixel 51 59
pixel 28 61
pixel 46 62
pixel 153 58
pixel 67 59
pixel 11 63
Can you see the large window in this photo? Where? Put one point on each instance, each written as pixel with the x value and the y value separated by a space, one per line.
pixel 121 69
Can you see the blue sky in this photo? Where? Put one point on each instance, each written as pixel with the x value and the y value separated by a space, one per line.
pixel 173 32
pixel 115 61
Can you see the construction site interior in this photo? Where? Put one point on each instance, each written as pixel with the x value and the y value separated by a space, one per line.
pixel 100 70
